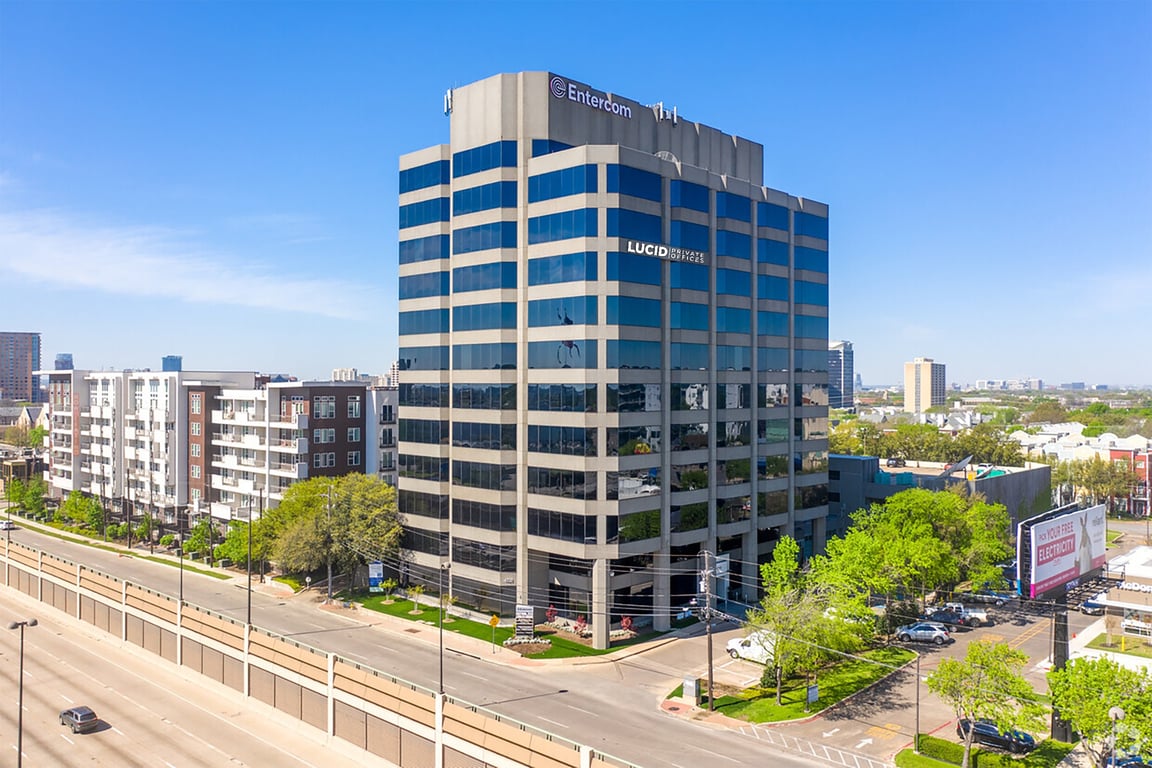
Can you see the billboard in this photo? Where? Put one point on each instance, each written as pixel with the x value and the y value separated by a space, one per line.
pixel 1062 547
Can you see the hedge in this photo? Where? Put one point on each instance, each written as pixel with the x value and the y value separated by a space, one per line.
pixel 942 749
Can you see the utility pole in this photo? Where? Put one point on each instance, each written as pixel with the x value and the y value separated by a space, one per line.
pixel 328 540
pixel 706 587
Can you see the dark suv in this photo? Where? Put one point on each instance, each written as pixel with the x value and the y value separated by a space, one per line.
pixel 79 719
pixel 989 734
pixel 895 462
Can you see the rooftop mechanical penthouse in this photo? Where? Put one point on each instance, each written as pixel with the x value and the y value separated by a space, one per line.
pixel 614 356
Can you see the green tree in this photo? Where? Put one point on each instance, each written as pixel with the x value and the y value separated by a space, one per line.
pixel 36 436
pixel 987 684
pixel 1047 411
pixel 1086 689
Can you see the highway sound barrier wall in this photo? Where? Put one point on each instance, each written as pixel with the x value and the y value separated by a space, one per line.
pixel 403 723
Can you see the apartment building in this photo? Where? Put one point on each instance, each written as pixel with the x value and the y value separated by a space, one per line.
pixel 19 362
pixel 614 354
pixel 923 384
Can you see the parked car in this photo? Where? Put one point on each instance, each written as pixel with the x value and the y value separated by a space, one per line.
pixel 7 525
pixel 894 462
pixel 1127 761
pixel 924 632
pixel 995 597
pixel 79 719
pixel 756 647
pixel 958 614
pixel 1091 607
pixel 989 734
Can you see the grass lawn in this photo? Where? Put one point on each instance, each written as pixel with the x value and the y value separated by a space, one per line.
pixel 1048 754
pixel 561 648
pixel 1133 646
pixel 1113 536
pixel 758 705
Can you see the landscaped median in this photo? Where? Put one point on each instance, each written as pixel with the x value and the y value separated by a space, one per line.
pixel 941 753
pixel 554 644
pixel 836 683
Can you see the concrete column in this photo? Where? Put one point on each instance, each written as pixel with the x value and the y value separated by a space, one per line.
pixel 439 730
pixel 662 592
pixel 819 534
pixel 331 695
pixel 600 617
pixel 247 661
pixel 585 756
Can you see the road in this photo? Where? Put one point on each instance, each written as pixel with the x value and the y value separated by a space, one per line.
pixel 152 714
pixel 612 706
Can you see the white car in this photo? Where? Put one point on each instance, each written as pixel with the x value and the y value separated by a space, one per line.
pixel 7 525
pixel 755 647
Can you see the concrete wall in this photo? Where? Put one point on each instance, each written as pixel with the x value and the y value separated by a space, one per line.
pixel 400 722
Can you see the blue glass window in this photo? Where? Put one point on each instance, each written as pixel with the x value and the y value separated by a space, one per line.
pixel 684 275
pixel 424 212
pixel 424 395
pixel 771 287
pixel 562 269
pixel 567 181
pixel 688 356
pixel 732 358
pixel 633 268
pixel 811 293
pixel 634 225
pixel 478 474
pixel 811 258
pixel 570 441
pixel 423 431
pixel 573 310
pixel 498 234
pixel 626 353
pixel 730 206
pixel 769 215
pixel 733 282
pixel 685 194
pixel 482 277
pixel 498 194
pixel 733 244
pixel 478 357
pixel 431 468
pixel 491 437
pixel 423 176
pixel 424 321
pixel 687 316
pixel 685 234
pixel 772 323
pixel 772 359
pixel 424 284
pixel 571 353
pixel 547 147
pixel 811 327
pixel 482 317
pixel 811 225
pixel 491 397
pixel 772 252
pixel 631 310
pixel 495 155
pixel 423 358
pixel 811 360
pixel 634 182
pixel 562 482
pixel 578 398
pixel 562 226
pixel 424 249
pixel 733 320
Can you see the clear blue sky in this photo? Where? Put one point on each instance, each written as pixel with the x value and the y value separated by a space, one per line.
pixel 218 179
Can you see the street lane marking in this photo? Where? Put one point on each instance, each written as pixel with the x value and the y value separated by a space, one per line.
pixel 717 754
pixel 118 730
pixel 545 719
pixel 585 711
pixel 67 699
pixel 992 637
pixel 478 677
pixel 67 739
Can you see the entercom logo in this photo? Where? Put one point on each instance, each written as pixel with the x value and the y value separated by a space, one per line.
pixel 559 88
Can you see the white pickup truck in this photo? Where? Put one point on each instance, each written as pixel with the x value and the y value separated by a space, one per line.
pixel 969 617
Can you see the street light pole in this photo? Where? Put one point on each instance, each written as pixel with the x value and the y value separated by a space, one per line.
pixel 916 734
pixel 20 696
pixel 181 551
pixel 1115 714
pixel 249 563
pixel 443 567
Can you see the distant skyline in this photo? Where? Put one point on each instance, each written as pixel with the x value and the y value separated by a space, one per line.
pixel 219 180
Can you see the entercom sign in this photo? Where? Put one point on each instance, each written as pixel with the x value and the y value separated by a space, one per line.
pixel 1067 547
pixel 565 89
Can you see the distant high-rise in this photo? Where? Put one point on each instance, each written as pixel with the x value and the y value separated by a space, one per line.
pixel 172 363
pixel 859 382
pixel 394 374
pixel 19 357
pixel 923 384
pixel 345 374
pixel 63 361
pixel 840 375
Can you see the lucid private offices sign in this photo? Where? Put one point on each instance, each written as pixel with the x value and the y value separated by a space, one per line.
pixel 665 252
pixel 562 89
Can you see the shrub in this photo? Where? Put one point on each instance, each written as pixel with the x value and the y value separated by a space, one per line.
pixel 942 749
pixel 167 539
pixel 906 758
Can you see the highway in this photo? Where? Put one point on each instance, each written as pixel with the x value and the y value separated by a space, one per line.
pixel 612 706
pixel 152 714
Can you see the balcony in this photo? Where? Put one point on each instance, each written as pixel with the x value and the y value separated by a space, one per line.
pixel 290 445
pixel 291 421
pixel 294 470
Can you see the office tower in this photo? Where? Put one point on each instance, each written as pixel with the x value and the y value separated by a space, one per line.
pixel 923 384
pixel 614 355
pixel 19 360
pixel 345 374
pixel 172 363
pixel 841 393
pixel 63 361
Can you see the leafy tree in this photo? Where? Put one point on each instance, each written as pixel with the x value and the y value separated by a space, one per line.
pixel 1047 411
pixel 197 539
pixel 1086 689
pixel 987 684
pixel 36 436
pixel 234 547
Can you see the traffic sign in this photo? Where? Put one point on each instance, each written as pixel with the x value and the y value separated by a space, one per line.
pixel 494 621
